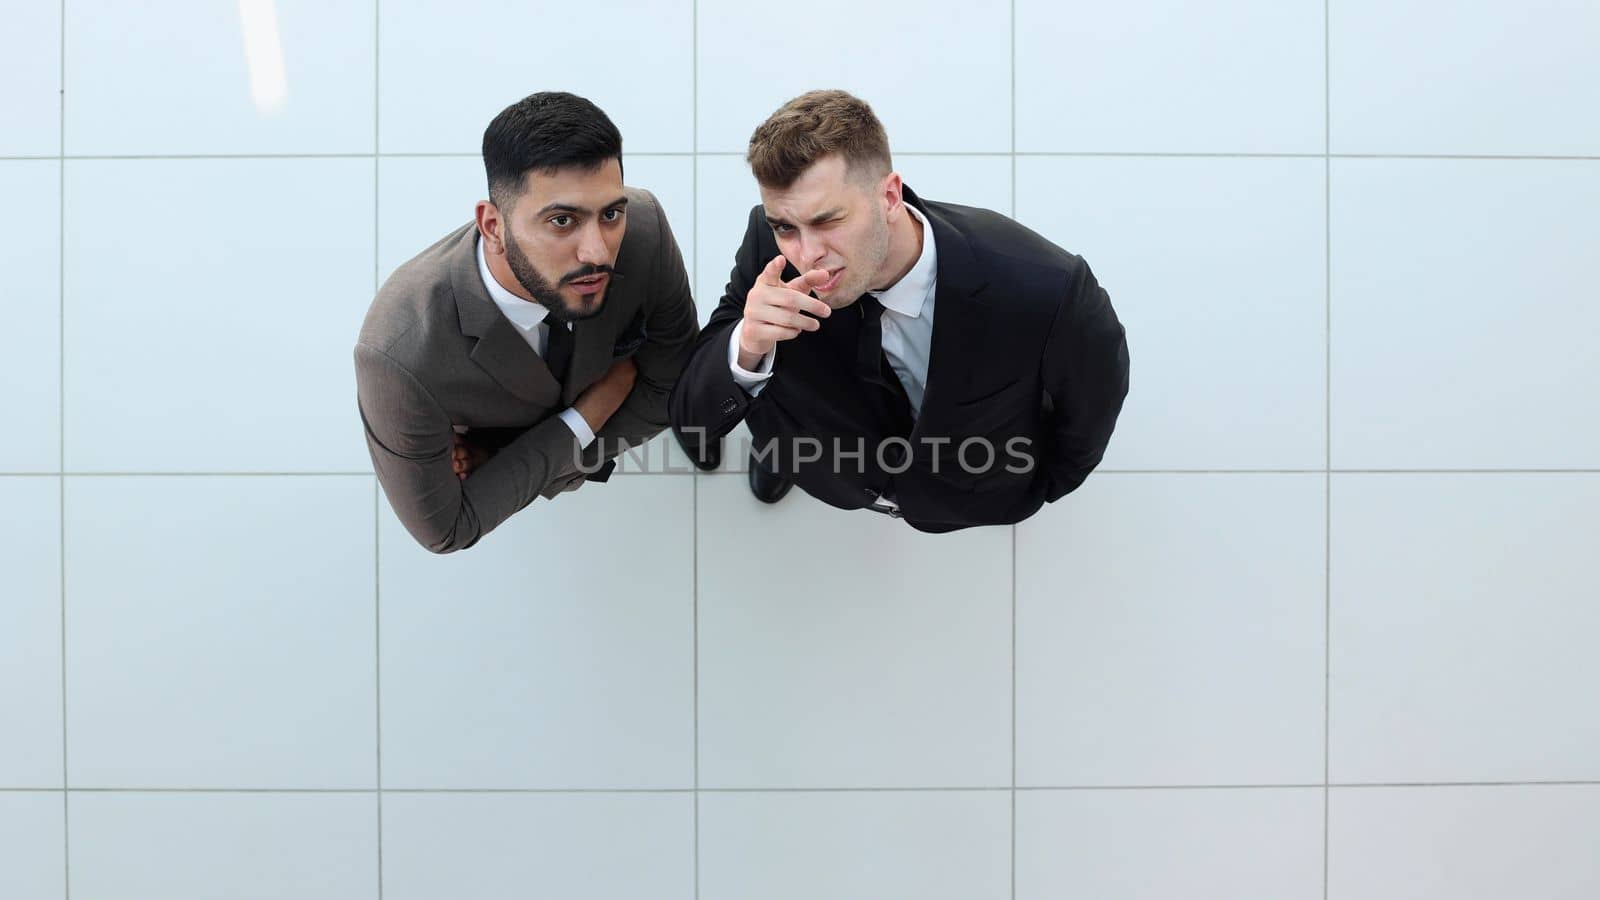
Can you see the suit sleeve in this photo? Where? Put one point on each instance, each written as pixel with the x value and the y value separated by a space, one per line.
pixel 410 439
pixel 1085 373
pixel 708 403
pixel 670 329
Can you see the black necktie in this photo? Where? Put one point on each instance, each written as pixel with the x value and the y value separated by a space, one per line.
pixel 872 364
pixel 558 352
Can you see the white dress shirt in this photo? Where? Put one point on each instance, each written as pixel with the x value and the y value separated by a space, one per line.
pixel 907 327
pixel 529 319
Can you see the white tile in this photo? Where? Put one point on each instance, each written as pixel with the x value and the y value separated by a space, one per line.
pixel 845 649
pixel 937 73
pixel 1160 844
pixel 1435 76
pixel 32 846
pixel 223 346
pixel 724 195
pixel 448 68
pixel 220 632
pixel 557 653
pixel 421 199
pixel 1242 76
pixel 195 76
pixel 30 79
pixel 572 846
pixel 1216 268
pixel 30 633
pixel 1170 631
pixel 1464 843
pixel 1463 616
pixel 932 845
pixel 242 846
pixel 30 317
pixel 1464 322
pixel 983 181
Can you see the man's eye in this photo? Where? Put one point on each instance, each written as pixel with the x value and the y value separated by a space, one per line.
pixel 782 229
pixel 611 215
pixel 560 221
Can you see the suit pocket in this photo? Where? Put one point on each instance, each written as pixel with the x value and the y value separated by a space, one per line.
pixel 989 395
pixel 993 408
pixel 630 339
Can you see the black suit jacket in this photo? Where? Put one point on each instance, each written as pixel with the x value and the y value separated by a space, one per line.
pixel 1028 359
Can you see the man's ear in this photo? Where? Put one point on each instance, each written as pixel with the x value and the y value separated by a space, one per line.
pixel 490 225
pixel 891 190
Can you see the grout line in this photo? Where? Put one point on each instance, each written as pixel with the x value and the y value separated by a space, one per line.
pixel 378 644
pixel 1482 156
pixel 678 474
pixel 1083 154
pixel 923 789
pixel 1013 212
pixel 694 505
pixel 61 448
pixel 377 570
pixel 1327 434
pixel 377 664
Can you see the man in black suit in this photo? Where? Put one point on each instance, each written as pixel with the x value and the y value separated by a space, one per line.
pixel 933 362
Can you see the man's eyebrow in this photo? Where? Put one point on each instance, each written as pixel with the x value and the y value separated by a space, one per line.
pixel 817 219
pixel 578 210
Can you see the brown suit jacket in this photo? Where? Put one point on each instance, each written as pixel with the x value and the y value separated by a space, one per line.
pixel 435 352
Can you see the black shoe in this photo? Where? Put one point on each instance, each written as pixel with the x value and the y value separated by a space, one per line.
pixel 767 485
pixel 707 457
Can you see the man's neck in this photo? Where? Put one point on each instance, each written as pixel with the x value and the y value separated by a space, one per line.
pixel 905 248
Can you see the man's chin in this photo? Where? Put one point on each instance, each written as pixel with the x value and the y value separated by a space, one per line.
pixel 578 306
pixel 836 299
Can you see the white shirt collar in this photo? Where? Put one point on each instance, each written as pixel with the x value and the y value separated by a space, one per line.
pixel 525 314
pixel 910 294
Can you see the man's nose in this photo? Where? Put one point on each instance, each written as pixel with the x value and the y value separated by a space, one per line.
pixel 811 253
pixel 592 247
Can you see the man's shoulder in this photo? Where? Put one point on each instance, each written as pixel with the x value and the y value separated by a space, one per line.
pixel 418 296
pixel 997 237
pixel 1015 259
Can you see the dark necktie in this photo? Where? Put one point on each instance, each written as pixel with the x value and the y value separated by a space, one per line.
pixel 558 352
pixel 872 364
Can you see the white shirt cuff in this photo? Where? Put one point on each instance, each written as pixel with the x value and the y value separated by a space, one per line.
pixel 752 382
pixel 579 426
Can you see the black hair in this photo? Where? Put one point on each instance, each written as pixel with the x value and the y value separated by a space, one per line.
pixel 543 132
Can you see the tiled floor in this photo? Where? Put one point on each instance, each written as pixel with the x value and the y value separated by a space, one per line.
pixel 1319 628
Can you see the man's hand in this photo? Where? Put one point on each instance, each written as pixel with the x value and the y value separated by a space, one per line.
pixel 776 311
pixel 601 400
pixel 466 456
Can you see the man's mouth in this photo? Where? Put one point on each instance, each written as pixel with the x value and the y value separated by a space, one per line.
pixel 833 281
pixel 589 285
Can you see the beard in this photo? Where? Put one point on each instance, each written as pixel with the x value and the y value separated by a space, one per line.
pixel 550 296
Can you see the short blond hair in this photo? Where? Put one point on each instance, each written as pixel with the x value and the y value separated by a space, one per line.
pixel 814 125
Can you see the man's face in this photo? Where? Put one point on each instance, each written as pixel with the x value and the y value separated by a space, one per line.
pixel 832 219
pixel 562 237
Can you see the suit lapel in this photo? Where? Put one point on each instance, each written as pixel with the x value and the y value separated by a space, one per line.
pixel 960 323
pixel 498 348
